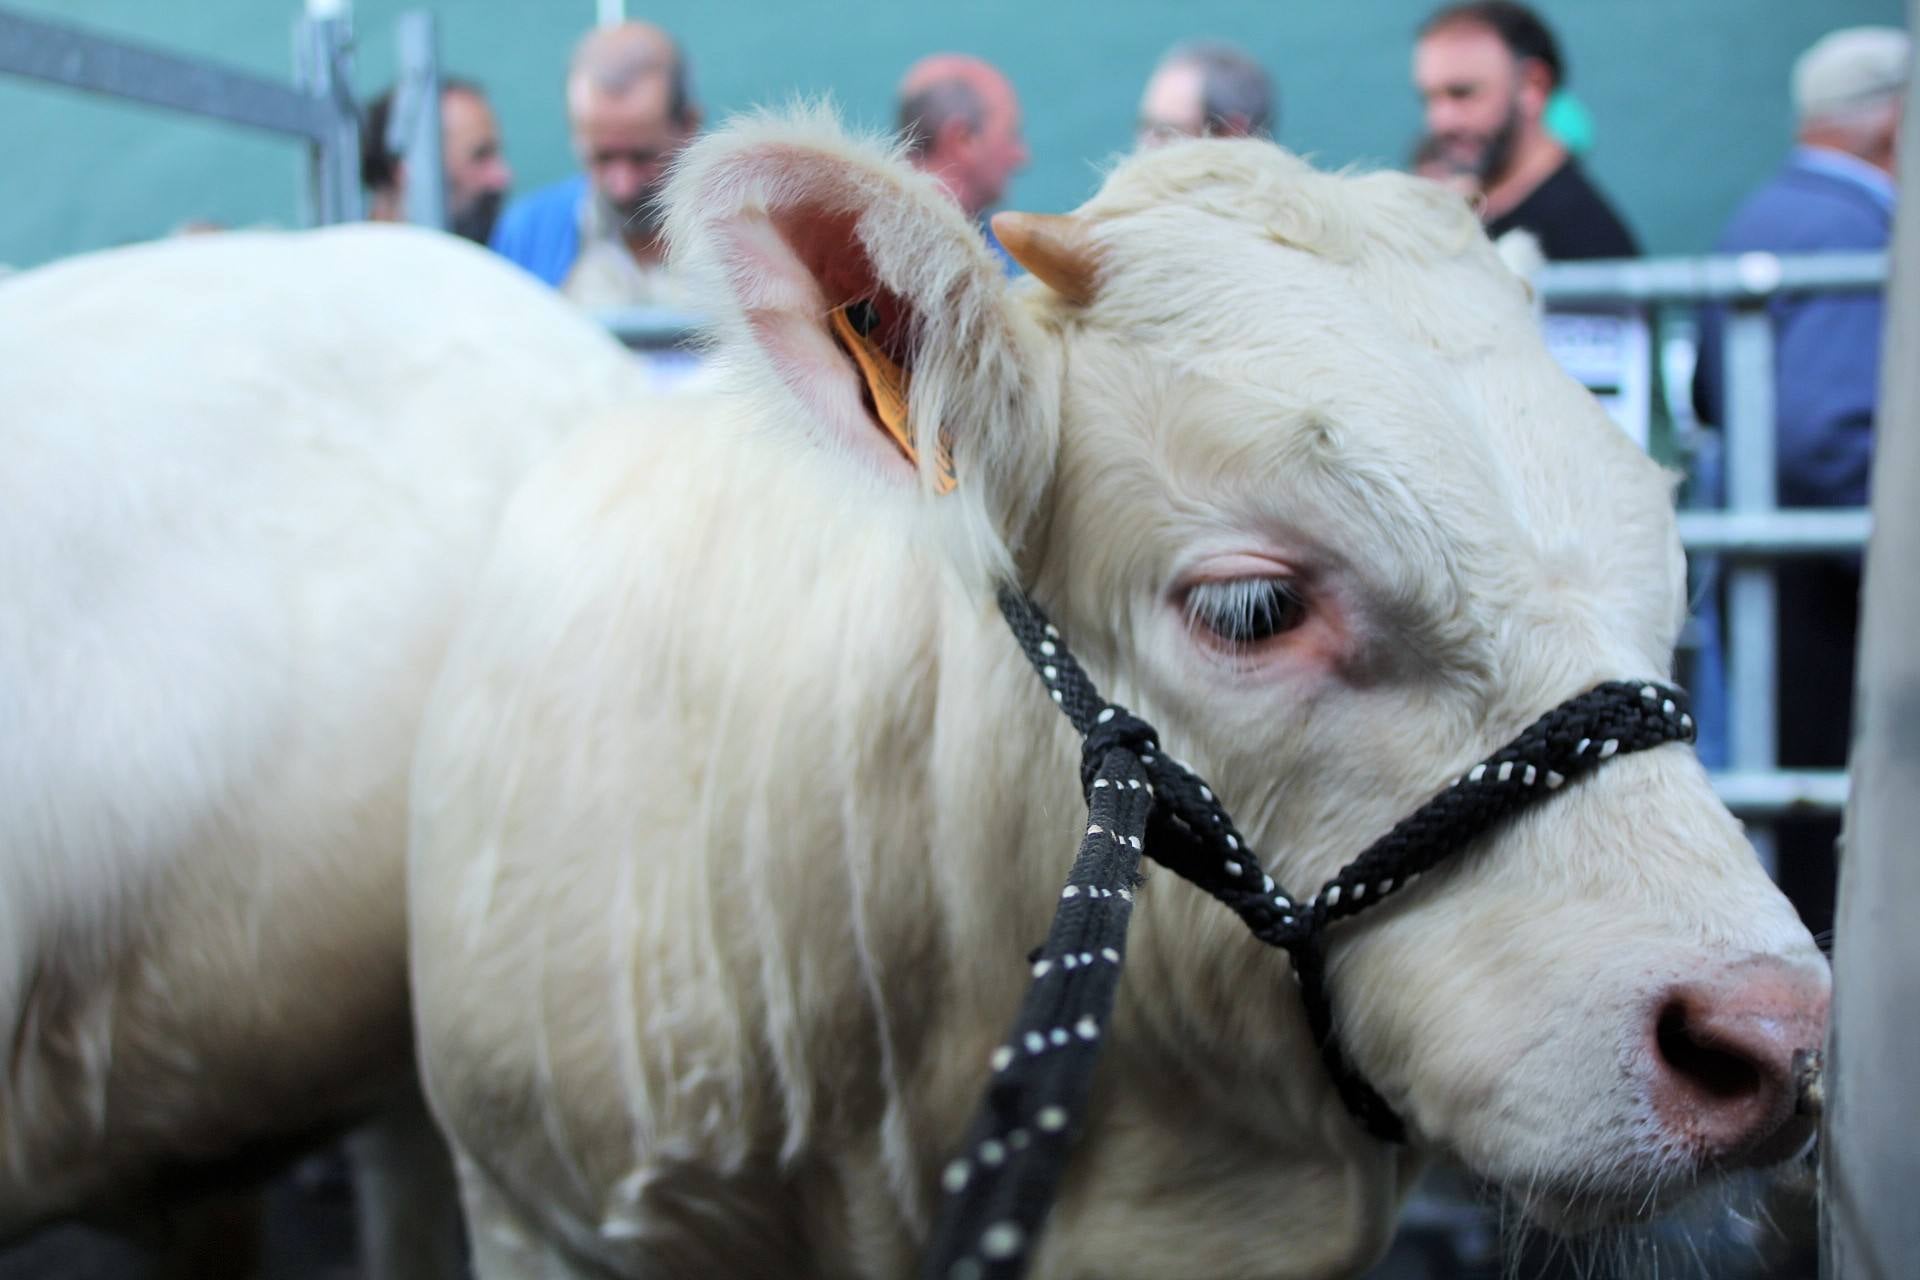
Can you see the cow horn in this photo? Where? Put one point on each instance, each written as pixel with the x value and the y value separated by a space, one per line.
pixel 1058 248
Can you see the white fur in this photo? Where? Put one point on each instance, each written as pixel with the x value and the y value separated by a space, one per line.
pixel 247 480
pixel 730 840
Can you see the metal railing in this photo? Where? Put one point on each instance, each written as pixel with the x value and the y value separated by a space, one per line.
pixel 1752 531
pixel 317 109
pixel 413 128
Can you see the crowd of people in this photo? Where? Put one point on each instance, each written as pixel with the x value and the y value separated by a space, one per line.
pixel 1500 127
pixel 1490 74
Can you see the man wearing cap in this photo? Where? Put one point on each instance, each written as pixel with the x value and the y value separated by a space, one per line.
pixel 1835 192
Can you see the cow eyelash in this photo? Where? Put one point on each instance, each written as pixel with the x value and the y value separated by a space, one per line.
pixel 1246 611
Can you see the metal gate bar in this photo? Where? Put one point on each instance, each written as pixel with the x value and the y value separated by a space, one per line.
pixel 319 110
pixel 1752 531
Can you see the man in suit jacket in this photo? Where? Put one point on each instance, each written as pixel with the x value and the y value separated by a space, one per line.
pixel 1835 192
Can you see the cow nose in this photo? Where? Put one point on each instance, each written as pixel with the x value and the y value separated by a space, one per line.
pixel 1728 1054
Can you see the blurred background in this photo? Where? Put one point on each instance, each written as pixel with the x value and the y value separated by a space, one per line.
pixel 1688 101
pixel 1683 110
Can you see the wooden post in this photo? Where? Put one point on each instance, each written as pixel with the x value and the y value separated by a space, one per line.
pixel 1870 1153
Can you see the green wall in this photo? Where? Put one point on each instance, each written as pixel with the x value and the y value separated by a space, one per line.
pixel 1689 96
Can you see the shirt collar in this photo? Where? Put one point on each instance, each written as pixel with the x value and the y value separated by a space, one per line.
pixel 1838 164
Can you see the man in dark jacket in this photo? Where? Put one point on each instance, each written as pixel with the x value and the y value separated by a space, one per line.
pixel 1834 193
pixel 1485 72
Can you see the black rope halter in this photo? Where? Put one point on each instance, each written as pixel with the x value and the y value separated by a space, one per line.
pixel 1000 1186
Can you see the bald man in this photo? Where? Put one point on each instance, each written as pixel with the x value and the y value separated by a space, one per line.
pixel 596 236
pixel 960 120
pixel 1205 89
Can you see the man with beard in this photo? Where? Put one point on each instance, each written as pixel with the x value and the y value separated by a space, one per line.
pixel 1485 72
pixel 596 236
pixel 477 176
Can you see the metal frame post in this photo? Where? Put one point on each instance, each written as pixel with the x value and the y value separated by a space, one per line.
pixel 1753 530
pixel 1870 1149
pixel 1752 655
pixel 323 63
pixel 414 131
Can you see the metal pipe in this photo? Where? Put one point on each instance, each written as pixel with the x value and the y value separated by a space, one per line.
pixel 1774 534
pixel 322 64
pixel 1776 792
pixel 1752 659
pixel 77 59
pixel 1870 1139
pixel 414 129
pixel 1720 278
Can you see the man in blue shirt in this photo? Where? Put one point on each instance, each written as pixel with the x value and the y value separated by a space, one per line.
pixel 596 236
pixel 1834 193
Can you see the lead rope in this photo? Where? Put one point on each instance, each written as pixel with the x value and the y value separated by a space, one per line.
pixel 1001 1185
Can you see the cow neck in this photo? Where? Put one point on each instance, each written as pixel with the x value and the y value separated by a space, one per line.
pixel 1141 801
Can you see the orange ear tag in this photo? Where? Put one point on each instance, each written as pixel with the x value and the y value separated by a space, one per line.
pixel 887 384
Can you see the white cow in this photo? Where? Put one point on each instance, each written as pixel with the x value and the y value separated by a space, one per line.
pixel 245 483
pixel 737 810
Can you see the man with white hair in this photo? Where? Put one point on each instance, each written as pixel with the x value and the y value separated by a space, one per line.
pixel 1834 193
pixel 596 236
pixel 1206 89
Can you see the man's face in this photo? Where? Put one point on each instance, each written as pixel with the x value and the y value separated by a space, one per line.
pixel 1172 107
pixel 625 142
pixel 996 152
pixel 1471 86
pixel 477 173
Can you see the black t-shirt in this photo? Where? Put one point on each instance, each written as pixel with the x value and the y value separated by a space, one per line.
pixel 1570 219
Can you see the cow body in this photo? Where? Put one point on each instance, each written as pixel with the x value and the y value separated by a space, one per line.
pixel 249 480
pixel 730 841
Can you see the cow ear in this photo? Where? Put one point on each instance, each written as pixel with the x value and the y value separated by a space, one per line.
pixel 849 282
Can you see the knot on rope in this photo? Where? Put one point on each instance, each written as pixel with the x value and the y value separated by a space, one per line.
pixel 1114 727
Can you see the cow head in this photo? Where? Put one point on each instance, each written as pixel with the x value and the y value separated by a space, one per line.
pixel 1283 454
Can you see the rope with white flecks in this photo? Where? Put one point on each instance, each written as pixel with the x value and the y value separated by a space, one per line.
pixel 1000 1186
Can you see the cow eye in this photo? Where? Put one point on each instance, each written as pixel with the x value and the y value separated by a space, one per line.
pixel 1246 611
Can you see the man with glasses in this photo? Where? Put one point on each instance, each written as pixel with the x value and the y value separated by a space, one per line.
pixel 1206 89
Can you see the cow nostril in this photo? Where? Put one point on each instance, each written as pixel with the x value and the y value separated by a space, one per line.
pixel 1721 1073
pixel 1724 1051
